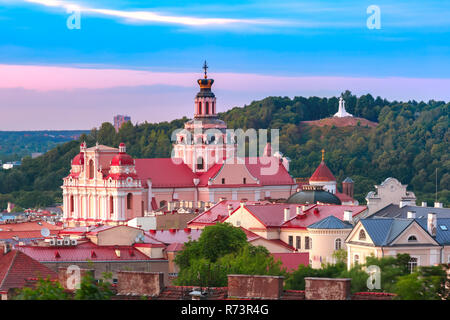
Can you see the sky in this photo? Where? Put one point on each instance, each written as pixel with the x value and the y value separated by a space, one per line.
pixel 75 64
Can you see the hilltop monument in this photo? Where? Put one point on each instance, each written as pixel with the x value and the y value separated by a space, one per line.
pixel 341 112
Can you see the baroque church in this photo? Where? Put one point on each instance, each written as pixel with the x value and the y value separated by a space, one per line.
pixel 108 186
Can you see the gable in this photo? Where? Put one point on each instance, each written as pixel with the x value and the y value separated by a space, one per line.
pixel 234 173
pixel 243 218
pixel 120 235
pixel 416 230
pixel 354 235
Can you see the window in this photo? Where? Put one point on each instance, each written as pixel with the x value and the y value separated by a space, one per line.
pixel 362 235
pixel 71 206
pixel 111 205
pixel 207 107
pixel 200 163
pixel 298 242
pixel 412 264
pixel 200 107
pixel 213 108
pixel 244 181
pixel 356 259
pixel 291 240
pixel 129 201
pixel 338 244
pixel 308 243
pixel 223 180
pixel 412 239
pixel 91 169
pixel 443 227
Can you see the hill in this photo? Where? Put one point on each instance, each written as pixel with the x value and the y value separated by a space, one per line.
pixel 409 143
pixel 341 122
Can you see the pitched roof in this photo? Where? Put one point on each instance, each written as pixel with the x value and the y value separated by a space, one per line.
pixel 394 211
pixel 322 173
pixel 291 261
pixel 383 231
pixel 29 226
pixel 174 235
pixel 442 235
pixel 83 252
pixel 331 222
pixel 16 267
pixel 218 212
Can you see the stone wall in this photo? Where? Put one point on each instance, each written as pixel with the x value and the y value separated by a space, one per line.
pixel 140 283
pixel 327 289
pixel 256 287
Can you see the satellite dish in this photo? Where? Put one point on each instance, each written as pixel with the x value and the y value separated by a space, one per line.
pixel 45 232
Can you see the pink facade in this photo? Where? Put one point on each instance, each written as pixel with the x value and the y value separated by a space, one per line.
pixel 108 186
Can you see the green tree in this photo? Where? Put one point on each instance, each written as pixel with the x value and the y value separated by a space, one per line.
pixel 45 289
pixel 90 289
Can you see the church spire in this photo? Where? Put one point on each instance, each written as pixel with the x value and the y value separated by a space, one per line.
pixel 205 100
pixel 323 155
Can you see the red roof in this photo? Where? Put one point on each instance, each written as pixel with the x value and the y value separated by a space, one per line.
pixel 16 267
pixel 174 247
pixel 122 159
pixel 29 226
pixel 218 212
pixel 82 252
pixel 291 261
pixel 78 159
pixel 23 234
pixel 344 197
pixel 322 173
pixel 272 214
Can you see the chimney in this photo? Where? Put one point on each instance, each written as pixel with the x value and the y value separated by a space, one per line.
pixel 230 209
pixel 169 206
pixel 438 205
pixel 348 216
pixel 432 224
pixel 299 210
pixel 243 202
pixel 424 204
pixel 411 215
pixel 403 203
pixel 286 214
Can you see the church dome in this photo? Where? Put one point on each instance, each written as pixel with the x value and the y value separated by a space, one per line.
pixel 78 160
pixel 313 194
pixel 122 158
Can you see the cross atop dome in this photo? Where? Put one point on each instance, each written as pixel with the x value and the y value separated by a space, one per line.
pixel 205 67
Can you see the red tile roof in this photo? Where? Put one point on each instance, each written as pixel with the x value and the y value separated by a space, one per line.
pixel 29 226
pixel 291 261
pixel 23 234
pixel 218 212
pixel 344 197
pixel 174 235
pixel 82 252
pixel 322 173
pixel 16 267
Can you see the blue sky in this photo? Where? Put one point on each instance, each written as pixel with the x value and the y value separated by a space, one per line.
pixel 267 38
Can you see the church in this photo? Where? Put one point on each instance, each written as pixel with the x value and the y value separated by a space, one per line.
pixel 108 186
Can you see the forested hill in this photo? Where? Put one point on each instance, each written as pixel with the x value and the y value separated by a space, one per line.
pixel 410 141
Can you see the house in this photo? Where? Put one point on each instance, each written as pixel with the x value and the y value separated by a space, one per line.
pixel 425 239
pixel 16 268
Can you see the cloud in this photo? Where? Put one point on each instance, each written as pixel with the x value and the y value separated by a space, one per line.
pixel 154 17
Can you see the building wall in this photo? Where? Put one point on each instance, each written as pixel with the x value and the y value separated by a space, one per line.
pixel 324 242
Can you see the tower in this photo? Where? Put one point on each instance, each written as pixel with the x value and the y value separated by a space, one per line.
pixel 204 141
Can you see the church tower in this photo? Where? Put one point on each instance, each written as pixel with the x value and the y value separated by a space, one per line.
pixel 204 141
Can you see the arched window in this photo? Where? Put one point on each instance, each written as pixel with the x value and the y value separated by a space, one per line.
pixel 207 108
pixel 338 244
pixel 111 205
pixel 412 264
pixel 200 164
pixel 308 244
pixel 362 235
pixel 412 239
pixel 91 169
pixel 129 201
pixel 356 258
pixel 199 107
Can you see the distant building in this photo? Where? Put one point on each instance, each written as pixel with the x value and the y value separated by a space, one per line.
pixel 10 165
pixel 119 120
pixel 390 191
pixel 425 239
